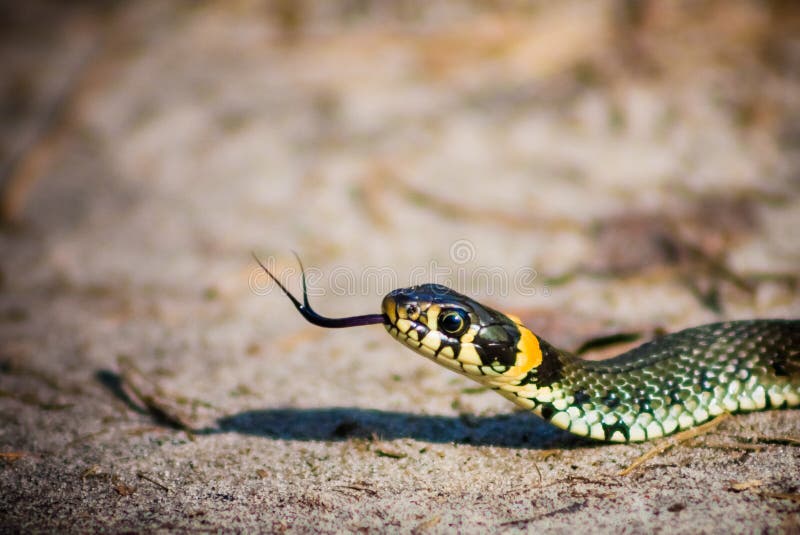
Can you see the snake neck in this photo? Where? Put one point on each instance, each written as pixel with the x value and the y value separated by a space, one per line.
pixel 547 388
pixel 669 384
pixel 581 398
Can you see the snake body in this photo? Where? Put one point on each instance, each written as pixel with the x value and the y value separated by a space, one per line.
pixel 670 384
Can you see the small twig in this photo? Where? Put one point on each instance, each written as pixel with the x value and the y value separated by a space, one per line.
pixel 582 479
pixel 386 452
pixel 573 507
pixel 361 488
pixel 426 524
pixel 121 488
pixel 546 454
pixel 768 439
pixel 93 471
pixel 739 486
pixel 142 475
pixel 149 395
pixel 674 441
pixel 11 456
pixel 741 447
pixel 795 497
pixel 538 472
pixel 383 451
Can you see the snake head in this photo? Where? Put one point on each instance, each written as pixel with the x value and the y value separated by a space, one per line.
pixel 461 334
pixel 445 326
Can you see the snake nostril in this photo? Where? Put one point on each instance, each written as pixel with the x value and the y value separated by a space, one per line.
pixel 412 309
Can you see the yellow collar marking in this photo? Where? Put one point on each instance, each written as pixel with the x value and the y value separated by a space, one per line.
pixel 529 353
pixel 529 356
pixel 529 348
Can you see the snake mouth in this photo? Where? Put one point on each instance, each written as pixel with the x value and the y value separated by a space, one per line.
pixel 402 319
pixel 406 321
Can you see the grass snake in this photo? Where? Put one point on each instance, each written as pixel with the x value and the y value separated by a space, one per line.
pixel 667 385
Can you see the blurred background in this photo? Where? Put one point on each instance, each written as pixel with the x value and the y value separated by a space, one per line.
pixel 638 162
pixel 584 140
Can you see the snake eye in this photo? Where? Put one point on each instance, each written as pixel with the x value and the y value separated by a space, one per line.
pixel 453 322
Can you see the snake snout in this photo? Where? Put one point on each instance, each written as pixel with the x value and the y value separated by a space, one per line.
pixel 397 305
pixel 389 308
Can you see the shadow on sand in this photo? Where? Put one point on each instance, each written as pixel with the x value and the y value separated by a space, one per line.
pixel 513 430
pixel 516 430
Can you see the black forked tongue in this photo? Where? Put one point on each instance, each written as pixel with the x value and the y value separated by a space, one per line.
pixel 310 315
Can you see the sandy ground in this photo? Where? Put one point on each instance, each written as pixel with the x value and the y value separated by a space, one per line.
pixel 593 168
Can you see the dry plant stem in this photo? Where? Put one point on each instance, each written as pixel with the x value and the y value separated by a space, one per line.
pixel 674 441
pixel 769 439
pixel 738 447
pixel 10 456
pixel 746 485
pixel 149 395
pixel 781 496
pixel 360 488
pixel 426 525
pixel 155 482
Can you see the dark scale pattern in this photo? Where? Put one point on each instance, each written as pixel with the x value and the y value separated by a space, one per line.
pixel 680 380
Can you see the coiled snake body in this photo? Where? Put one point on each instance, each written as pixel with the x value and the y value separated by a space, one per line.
pixel 661 387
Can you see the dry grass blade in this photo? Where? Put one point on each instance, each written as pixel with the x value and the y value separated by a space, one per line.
pixel 11 456
pixel 387 452
pixel 426 525
pixel 745 485
pixel 157 483
pixel 360 488
pixel 674 441
pixel 123 489
pixel 792 496
pixel 149 395
pixel 729 447
pixel 571 508
pixel 769 439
